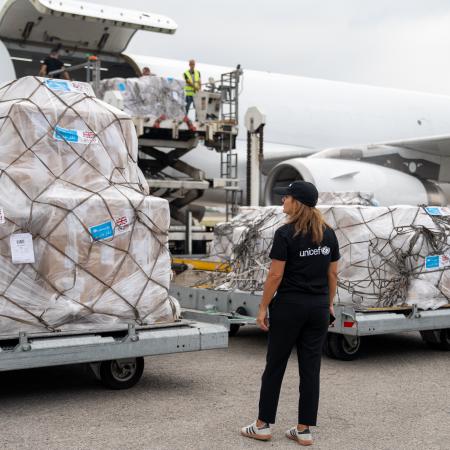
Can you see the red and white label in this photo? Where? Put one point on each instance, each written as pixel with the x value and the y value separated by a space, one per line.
pixel 445 260
pixel 81 87
pixel 123 225
pixel 88 136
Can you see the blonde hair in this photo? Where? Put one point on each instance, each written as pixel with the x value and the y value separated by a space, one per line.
pixel 307 219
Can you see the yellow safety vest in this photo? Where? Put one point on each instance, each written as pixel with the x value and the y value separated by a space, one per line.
pixel 189 90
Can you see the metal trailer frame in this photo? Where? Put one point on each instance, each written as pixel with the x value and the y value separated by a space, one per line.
pixel 115 354
pixel 344 335
pixel 238 308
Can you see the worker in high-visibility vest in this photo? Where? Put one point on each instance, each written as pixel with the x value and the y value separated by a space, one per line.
pixel 193 84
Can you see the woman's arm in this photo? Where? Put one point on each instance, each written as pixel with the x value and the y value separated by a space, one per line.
pixel 332 282
pixel 273 280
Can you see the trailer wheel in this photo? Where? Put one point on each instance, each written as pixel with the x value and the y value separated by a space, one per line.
pixel 121 373
pixel 437 339
pixel 444 336
pixel 431 338
pixel 234 327
pixel 345 348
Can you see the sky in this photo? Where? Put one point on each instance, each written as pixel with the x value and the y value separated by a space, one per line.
pixel 395 43
pixel 402 43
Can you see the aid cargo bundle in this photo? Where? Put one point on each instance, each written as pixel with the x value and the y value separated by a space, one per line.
pixel 148 96
pixel 389 255
pixel 81 242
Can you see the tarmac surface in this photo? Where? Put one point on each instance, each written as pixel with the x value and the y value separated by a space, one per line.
pixel 396 396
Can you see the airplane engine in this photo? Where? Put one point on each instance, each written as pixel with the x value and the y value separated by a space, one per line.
pixel 390 187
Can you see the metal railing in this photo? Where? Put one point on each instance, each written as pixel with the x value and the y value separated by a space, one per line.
pixel 229 87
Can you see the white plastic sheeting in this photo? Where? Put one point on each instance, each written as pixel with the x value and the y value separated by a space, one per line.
pixel 149 96
pixel 389 255
pixel 69 178
pixel 347 198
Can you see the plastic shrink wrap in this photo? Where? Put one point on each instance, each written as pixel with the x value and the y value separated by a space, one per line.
pixel 149 96
pixel 347 198
pixel 81 242
pixel 389 256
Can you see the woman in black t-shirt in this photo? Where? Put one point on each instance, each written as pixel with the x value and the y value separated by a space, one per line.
pixel 299 292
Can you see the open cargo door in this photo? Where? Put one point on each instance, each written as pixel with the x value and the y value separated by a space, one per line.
pixel 30 28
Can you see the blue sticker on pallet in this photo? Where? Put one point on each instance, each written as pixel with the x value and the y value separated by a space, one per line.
pixel 103 231
pixel 432 262
pixel 58 85
pixel 64 134
pixel 433 211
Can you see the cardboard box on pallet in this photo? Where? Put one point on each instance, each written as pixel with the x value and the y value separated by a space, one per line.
pixel 69 180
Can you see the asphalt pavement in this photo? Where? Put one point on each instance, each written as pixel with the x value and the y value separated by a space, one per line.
pixel 396 396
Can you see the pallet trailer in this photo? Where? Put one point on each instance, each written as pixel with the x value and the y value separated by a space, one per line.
pixel 344 335
pixel 115 355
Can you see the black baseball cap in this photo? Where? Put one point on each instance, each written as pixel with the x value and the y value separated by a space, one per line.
pixel 303 191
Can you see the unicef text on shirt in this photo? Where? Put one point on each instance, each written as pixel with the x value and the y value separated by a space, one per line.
pixel 315 251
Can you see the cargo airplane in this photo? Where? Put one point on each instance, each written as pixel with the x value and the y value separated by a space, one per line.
pixel 340 136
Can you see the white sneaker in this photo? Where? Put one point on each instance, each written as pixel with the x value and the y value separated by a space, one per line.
pixel 252 431
pixel 302 437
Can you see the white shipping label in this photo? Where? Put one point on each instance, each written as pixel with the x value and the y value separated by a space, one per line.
pixel 123 225
pixel 2 216
pixel 22 251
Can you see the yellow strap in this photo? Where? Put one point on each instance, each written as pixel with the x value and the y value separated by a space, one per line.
pixel 198 264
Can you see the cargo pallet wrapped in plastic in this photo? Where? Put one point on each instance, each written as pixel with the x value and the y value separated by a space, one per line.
pixel 149 96
pixel 82 244
pixel 389 255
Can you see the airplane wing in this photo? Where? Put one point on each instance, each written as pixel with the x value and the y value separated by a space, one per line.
pixel 433 145
pixel 425 157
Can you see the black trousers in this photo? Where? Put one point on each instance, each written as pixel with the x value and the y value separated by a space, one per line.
pixel 304 324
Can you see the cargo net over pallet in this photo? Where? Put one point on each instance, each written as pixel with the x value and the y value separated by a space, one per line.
pixel 389 256
pixel 148 96
pixel 81 242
